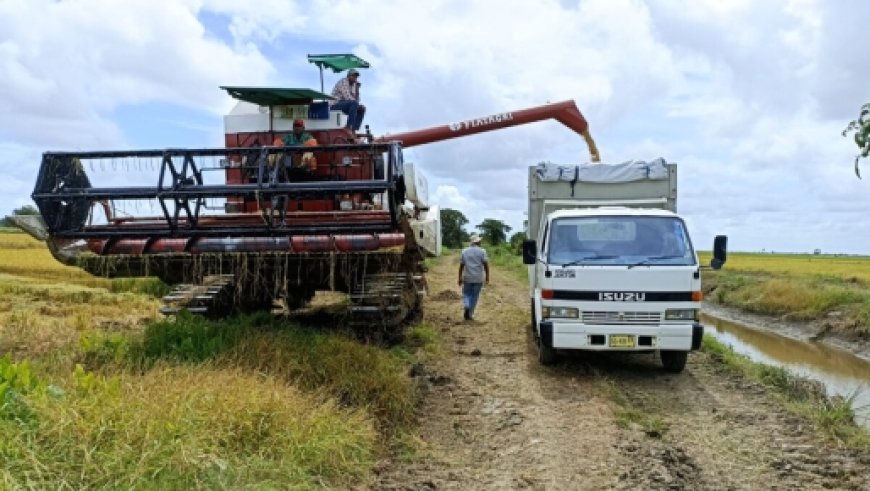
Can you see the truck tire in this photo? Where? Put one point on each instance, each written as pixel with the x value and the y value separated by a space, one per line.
pixel 674 361
pixel 546 354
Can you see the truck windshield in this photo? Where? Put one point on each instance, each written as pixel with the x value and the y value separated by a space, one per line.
pixel 620 240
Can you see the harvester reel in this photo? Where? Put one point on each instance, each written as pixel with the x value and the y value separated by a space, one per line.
pixel 67 214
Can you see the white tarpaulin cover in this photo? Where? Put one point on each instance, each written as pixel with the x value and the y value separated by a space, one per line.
pixel 633 170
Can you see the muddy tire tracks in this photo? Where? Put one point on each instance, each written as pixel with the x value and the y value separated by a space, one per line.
pixel 493 418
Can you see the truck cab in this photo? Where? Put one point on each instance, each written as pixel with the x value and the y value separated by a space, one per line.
pixel 611 277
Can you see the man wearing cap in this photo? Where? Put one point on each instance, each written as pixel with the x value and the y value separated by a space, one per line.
pixel 473 271
pixel 346 94
pixel 299 135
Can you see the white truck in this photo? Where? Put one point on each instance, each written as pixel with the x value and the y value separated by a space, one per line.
pixel 611 264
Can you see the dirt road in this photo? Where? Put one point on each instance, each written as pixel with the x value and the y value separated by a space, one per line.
pixel 494 419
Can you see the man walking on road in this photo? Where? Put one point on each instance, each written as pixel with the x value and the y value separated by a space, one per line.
pixel 473 263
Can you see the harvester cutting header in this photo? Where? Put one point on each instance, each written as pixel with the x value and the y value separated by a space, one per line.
pixel 238 227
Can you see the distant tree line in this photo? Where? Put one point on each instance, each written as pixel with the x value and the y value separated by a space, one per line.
pixel 493 232
pixel 23 210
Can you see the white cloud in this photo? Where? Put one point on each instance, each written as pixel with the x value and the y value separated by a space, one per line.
pixel 748 97
pixel 447 196
pixel 266 21
pixel 67 65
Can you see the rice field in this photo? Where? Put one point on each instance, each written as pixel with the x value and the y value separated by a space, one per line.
pixel 98 391
pixel 847 268
pixel 23 255
pixel 831 291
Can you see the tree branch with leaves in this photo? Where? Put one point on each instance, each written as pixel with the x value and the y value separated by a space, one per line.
pixel 493 231
pixel 452 234
pixel 861 128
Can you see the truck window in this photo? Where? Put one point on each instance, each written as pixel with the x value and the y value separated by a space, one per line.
pixel 658 241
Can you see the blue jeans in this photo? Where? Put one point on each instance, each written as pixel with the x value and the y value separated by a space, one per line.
pixel 354 113
pixel 470 294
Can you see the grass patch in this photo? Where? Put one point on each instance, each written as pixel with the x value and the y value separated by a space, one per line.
pixel 39 316
pixel 356 374
pixel 423 337
pixel 630 417
pixel 188 403
pixel 833 416
pixel 151 287
pixel 503 257
pixel 182 428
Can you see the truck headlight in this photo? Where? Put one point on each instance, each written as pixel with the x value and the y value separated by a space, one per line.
pixel 560 312
pixel 681 314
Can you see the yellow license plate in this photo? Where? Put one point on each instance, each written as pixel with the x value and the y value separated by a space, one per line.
pixel 622 341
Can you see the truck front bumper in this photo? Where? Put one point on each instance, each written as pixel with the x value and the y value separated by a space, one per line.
pixel 571 335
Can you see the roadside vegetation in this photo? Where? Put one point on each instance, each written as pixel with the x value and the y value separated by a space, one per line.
pixel 509 258
pixel 98 391
pixel 830 290
pixel 833 416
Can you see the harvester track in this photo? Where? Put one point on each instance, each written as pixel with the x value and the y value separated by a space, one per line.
pixel 384 301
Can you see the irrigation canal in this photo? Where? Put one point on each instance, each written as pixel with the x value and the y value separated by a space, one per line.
pixel 843 373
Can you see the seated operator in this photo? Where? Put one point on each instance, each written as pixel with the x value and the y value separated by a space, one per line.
pixel 300 137
pixel 346 94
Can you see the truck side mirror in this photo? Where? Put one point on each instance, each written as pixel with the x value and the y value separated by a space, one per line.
pixel 720 246
pixel 530 252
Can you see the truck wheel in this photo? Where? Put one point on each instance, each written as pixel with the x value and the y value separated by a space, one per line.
pixel 546 354
pixel 674 361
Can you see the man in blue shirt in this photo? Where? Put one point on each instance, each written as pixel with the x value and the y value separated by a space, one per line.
pixel 473 271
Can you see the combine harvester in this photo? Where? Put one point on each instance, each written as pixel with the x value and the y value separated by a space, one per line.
pixel 239 227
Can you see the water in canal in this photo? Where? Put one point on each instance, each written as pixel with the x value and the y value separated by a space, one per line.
pixel 842 373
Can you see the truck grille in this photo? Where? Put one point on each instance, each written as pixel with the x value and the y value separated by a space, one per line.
pixel 621 317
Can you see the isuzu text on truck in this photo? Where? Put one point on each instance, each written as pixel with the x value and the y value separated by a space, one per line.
pixel 611 265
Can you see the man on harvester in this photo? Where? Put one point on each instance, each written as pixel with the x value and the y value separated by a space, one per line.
pixel 299 135
pixel 345 93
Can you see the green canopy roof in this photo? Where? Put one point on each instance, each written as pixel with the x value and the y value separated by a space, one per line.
pixel 338 62
pixel 275 96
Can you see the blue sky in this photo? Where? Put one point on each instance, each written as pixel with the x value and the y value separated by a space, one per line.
pixel 749 98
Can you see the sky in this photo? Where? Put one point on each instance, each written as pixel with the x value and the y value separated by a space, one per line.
pixel 749 98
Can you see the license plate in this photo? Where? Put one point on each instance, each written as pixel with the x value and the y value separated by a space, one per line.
pixel 622 341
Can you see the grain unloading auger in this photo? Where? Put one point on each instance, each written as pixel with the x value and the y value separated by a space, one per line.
pixel 238 227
